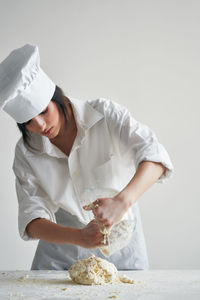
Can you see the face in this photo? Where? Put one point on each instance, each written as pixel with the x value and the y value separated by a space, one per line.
pixel 47 123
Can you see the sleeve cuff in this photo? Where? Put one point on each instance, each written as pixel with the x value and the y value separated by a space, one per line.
pixel 159 156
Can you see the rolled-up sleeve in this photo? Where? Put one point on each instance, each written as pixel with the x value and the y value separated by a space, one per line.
pixel 137 139
pixel 32 200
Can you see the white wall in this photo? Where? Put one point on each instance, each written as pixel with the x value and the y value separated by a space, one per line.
pixel 143 54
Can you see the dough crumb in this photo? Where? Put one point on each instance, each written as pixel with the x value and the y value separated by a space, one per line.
pixel 93 271
pixel 126 279
pixel 23 278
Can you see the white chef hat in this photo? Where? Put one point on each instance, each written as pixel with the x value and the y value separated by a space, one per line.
pixel 25 90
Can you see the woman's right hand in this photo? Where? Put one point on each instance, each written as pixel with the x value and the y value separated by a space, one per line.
pixel 90 235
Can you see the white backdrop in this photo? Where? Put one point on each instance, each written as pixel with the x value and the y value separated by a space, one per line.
pixel 143 54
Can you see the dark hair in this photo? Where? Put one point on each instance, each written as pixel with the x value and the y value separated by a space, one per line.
pixel 60 100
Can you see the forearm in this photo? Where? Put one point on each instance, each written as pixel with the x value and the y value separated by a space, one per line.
pixel 51 232
pixel 146 175
pixel 109 211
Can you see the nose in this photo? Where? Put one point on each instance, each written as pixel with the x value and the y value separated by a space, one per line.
pixel 39 123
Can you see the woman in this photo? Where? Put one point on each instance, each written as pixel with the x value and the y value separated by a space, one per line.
pixel 70 147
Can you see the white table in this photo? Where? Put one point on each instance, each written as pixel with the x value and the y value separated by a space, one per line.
pixel 151 285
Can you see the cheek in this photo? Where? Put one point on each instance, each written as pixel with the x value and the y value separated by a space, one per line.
pixel 57 114
pixel 54 116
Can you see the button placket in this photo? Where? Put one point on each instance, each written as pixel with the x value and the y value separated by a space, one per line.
pixel 73 171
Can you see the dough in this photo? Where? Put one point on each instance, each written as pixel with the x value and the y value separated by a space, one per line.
pixel 102 229
pixel 119 235
pixel 93 270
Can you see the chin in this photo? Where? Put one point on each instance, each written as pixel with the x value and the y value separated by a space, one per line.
pixel 54 135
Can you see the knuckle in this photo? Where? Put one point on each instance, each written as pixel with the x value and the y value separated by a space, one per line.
pixel 109 223
pixel 100 215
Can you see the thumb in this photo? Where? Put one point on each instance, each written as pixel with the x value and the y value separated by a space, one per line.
pixel 88 207
pixel 91 206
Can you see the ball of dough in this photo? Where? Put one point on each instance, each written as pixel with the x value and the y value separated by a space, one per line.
pixel 93 270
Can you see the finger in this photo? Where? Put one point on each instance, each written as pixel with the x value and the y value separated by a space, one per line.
pixel 100 225
pixel 94 221
pixel 87 207
pixel 91 206
pixel 103 222
pixel 108 227
pixel 104 241
pixel 96 203
pixel 94 212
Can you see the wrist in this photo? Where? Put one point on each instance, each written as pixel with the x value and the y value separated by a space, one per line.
pixel 76 236
pixel 126 198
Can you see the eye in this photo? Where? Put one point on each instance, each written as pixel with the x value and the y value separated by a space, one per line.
pixel 44 111
pixel 28 122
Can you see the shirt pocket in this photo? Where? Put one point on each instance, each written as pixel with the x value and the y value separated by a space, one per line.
pixel 110 174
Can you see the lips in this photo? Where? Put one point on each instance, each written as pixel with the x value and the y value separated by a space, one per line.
pixel 48 131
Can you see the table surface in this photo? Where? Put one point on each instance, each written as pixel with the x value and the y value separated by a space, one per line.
pixel 151 285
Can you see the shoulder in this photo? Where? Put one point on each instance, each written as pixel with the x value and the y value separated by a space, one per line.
pixel 20 156
pixel 108 107
pixel 20 148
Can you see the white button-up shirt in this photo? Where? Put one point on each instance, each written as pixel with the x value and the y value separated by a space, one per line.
pixel 108 148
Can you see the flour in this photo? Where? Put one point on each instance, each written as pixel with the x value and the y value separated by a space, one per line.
pixel 120 233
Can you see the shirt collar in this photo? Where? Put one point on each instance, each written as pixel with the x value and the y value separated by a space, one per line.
pixel 86 117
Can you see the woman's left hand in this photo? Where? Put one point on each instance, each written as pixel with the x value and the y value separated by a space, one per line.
pixel 108 211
